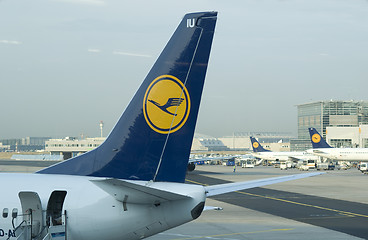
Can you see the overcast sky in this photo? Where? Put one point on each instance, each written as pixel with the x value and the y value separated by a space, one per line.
pixel 67 64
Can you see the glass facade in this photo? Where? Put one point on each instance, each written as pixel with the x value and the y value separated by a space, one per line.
pixel 323 114
pixel 330 113
pixel 339 143
pixel 365 142
pixel 309 115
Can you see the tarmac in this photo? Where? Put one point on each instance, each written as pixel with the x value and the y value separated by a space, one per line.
pixel 329 206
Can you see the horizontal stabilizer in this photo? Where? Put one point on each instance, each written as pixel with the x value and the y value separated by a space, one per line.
pixel 231 187
pixel 130 192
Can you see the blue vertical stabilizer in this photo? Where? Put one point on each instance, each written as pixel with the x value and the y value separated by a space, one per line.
pixel 317 140
pixel 153 137
pixel 257 147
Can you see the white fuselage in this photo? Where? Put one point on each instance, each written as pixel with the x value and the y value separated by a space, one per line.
pixel 283 156
pixel 92 213
pixel 342 154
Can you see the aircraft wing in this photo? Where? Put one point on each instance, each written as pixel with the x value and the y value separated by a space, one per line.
pixel 294 159
pixel 125 191
pixel 317 151
pixel 231 187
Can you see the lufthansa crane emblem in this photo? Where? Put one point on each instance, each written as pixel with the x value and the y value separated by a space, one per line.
pixel 316 138
pixel 166 104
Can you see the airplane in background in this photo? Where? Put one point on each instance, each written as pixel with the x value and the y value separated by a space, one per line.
pixel 322 149
pixel 260 152
pixel 132 185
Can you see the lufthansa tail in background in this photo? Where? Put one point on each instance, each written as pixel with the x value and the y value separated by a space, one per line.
pixel 257 147
pixel 317 140
pixel 132 186
pixel 322 149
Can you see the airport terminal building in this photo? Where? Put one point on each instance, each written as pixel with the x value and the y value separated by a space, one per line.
pixel 240 141
pixel 342 123
pixel 70 147
pixel 26 144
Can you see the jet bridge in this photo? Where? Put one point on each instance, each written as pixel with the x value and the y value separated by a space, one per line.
pixel 35 223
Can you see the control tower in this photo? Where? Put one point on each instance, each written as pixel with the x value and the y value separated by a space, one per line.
pixel 101 127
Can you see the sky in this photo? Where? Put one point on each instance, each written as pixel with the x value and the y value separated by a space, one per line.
pixel 65 65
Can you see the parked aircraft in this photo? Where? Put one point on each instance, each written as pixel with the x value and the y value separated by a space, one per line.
pixel 323 149
pixel 132 185
pixel 260 152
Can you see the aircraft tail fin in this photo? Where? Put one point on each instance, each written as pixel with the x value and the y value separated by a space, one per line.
pixel 153 137
pixel 317 140
pixel 257 147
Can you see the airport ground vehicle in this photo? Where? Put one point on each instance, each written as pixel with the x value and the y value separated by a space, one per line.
pixel 304 167
pixel 364 167
pixel 344 165
pixel 283 166
pixel 248 164
pixel 307 164
pixel 311 164
pixel 325 166
pixel 229 162
pixel 287 164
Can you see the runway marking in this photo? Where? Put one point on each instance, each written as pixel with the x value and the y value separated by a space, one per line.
pixel 349 214
pixel 307 205
pixel 322 217
pixel 232 234
pixel 191 181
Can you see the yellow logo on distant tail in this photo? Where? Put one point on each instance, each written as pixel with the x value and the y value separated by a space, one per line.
pixel 255 145
pixel 316 138
pixel 166 104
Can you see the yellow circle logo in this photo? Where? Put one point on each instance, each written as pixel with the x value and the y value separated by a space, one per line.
pixel 255 145
pixel 316 138
pixel 166 104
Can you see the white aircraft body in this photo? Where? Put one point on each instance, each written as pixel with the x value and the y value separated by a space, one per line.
pixel 285 156
pixel 260 152
pixel 132 185
pixel 323 149
pixel 342 154
pixel 96 208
